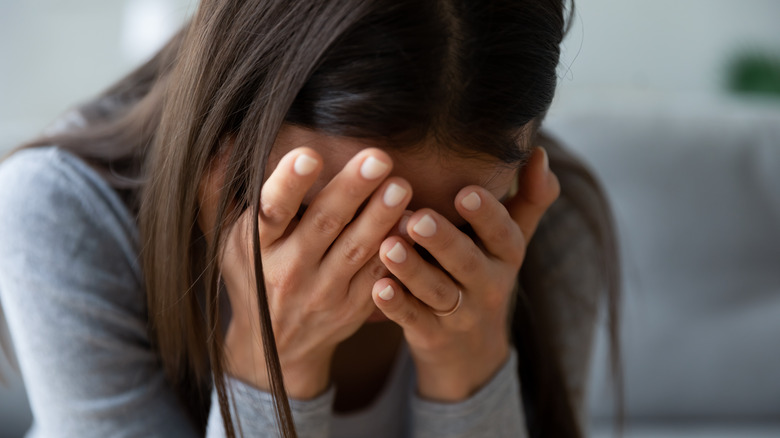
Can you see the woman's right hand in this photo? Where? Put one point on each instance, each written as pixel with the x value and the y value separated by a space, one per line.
pixel 319 270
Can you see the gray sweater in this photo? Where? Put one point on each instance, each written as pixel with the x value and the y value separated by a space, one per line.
pixel 72 290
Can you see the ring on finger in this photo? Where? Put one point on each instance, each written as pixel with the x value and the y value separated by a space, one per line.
pixel 454 308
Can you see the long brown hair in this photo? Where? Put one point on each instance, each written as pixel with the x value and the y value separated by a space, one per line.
pixel 472 74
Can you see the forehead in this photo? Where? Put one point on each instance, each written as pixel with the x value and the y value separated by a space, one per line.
pixel 435 176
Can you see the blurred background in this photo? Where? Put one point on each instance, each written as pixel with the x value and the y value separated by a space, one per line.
pixel 675 105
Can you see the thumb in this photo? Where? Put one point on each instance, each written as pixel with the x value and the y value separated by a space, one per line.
pixel 538 188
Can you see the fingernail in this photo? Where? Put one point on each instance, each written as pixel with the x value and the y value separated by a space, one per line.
pixel 304 165
pixel 394 194
pixel 387 293
pixel 426 227
pixel 403 222
pixel 372 168
pixel 471 202
pixel 397 253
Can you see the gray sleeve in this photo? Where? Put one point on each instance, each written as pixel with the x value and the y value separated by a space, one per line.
pixel 254 409
pixel 71 289
pixel 495 411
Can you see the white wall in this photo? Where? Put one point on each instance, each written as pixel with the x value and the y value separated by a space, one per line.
pixel 56 53
pixel 664 45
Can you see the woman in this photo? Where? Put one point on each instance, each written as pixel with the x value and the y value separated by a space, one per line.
pixel 310 216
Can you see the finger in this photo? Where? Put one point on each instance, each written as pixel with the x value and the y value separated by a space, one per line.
pixel 497 232
pixel 402 308
pixel 401 227
pixel 426 282
pixel 538 189
pixel 283 191
pixel 361 239
pixel 456 252
pixel 335 206
pixel 363 281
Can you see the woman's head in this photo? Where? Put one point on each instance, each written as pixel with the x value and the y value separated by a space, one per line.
pixel 471 79
pixel 469 74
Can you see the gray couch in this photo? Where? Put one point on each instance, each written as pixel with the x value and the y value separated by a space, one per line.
pixel 695 185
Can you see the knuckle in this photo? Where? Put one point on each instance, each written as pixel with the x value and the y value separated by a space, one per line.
pixel 502 233
pixel 408 317
pixel 469 262
pixel 447 241
pixel 377 269
pixel 355 191
pixel 378 219
pixel 355 252
pixel 276 211
pixel 327 222
pixel 440 293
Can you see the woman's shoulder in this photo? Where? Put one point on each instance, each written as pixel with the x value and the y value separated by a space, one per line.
pixel 72 292
pixel 51 180
pixel 56 211
pixel 49 176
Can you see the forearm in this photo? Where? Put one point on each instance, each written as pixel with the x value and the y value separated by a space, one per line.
pixel 304 378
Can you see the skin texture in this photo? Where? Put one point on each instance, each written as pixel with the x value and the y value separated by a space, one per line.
pixel 325 269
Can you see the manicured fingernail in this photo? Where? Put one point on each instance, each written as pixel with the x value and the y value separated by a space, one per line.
pixel 394 194
pixel 387 293
pixel 426 227
pixel 403 222
pixel 471 202
pixel 372 168
pixel 397 253
pixel 304 165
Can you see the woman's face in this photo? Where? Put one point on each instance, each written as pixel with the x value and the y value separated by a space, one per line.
pixel 435 176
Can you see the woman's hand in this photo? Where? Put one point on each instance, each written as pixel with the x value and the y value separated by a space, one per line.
pixel 457 354
pixel 318 270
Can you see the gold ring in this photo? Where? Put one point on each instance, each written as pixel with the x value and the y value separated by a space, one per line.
pixel 454 309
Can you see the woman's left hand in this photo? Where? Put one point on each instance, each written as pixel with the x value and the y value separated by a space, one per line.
pixel 457 353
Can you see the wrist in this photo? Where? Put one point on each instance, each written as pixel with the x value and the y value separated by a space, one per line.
pixel 245 360
pixel 459 380
pixel 305 381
